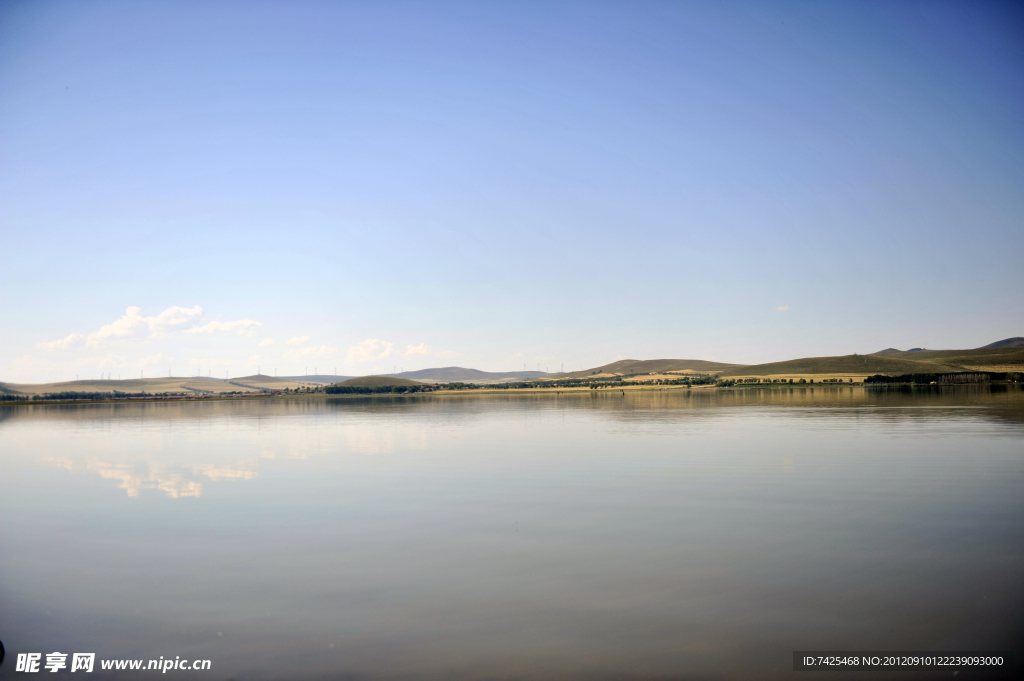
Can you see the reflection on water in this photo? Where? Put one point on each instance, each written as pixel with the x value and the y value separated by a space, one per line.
pixel 657 534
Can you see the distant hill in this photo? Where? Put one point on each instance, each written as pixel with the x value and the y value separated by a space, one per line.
pixel 893 352
pixel 1005 344
pixel 649 366
pixel 377 381
pixel 461 374
pixel 260 378
pixel 318 379
pixel 1016 342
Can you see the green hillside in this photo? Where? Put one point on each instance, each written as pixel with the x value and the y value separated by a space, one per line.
pixel 1015 342
pixel 647 366
pixel 846 364
pixel 177 384
pixel 377 382
pixel 464 375
pixel 1000 356
pixel 260 378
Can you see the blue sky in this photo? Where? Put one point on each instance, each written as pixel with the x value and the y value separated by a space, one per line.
pixel 500 184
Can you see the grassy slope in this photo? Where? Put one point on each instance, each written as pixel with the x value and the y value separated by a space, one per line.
pixel 452 374
pixel 861 365
pixel 153 385
pixel 377 381
pixel 646 366
pixel 1015 342
pixel 1008 356
pixel 268 382
pixel 314 379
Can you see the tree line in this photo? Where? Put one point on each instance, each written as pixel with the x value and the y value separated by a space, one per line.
pixel 958 378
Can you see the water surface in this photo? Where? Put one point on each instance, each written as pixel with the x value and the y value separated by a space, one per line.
pixel 652 535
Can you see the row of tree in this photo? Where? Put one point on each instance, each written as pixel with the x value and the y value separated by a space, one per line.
pixel 958 378
pixel 376 390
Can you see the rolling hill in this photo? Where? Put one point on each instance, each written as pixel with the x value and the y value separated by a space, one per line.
pixel 316 379
pixel 166 384
pixel 1015 342
pixel 625 367
pixel 461 374
pixel 377 382
pixel 1002 356
pixel 845 365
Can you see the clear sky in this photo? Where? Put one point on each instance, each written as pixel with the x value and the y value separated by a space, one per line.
pixel 221 186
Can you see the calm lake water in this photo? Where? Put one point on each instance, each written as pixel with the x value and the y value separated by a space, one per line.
pixel 655 535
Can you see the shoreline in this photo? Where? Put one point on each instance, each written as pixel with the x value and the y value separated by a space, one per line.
pixel 489 391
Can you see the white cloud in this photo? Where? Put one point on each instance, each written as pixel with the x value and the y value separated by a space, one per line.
pixel 782 308
pixel 312 352
pixel 447 354
pixel 174 316
pixel 133 324
pixel 369 350
pixel 241 327
pixel 298 340
pixel 266 342
pixel 63 343
pixel 254 359
pixel 420 350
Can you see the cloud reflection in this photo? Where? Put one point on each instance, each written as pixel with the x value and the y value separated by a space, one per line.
pixel 176 481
